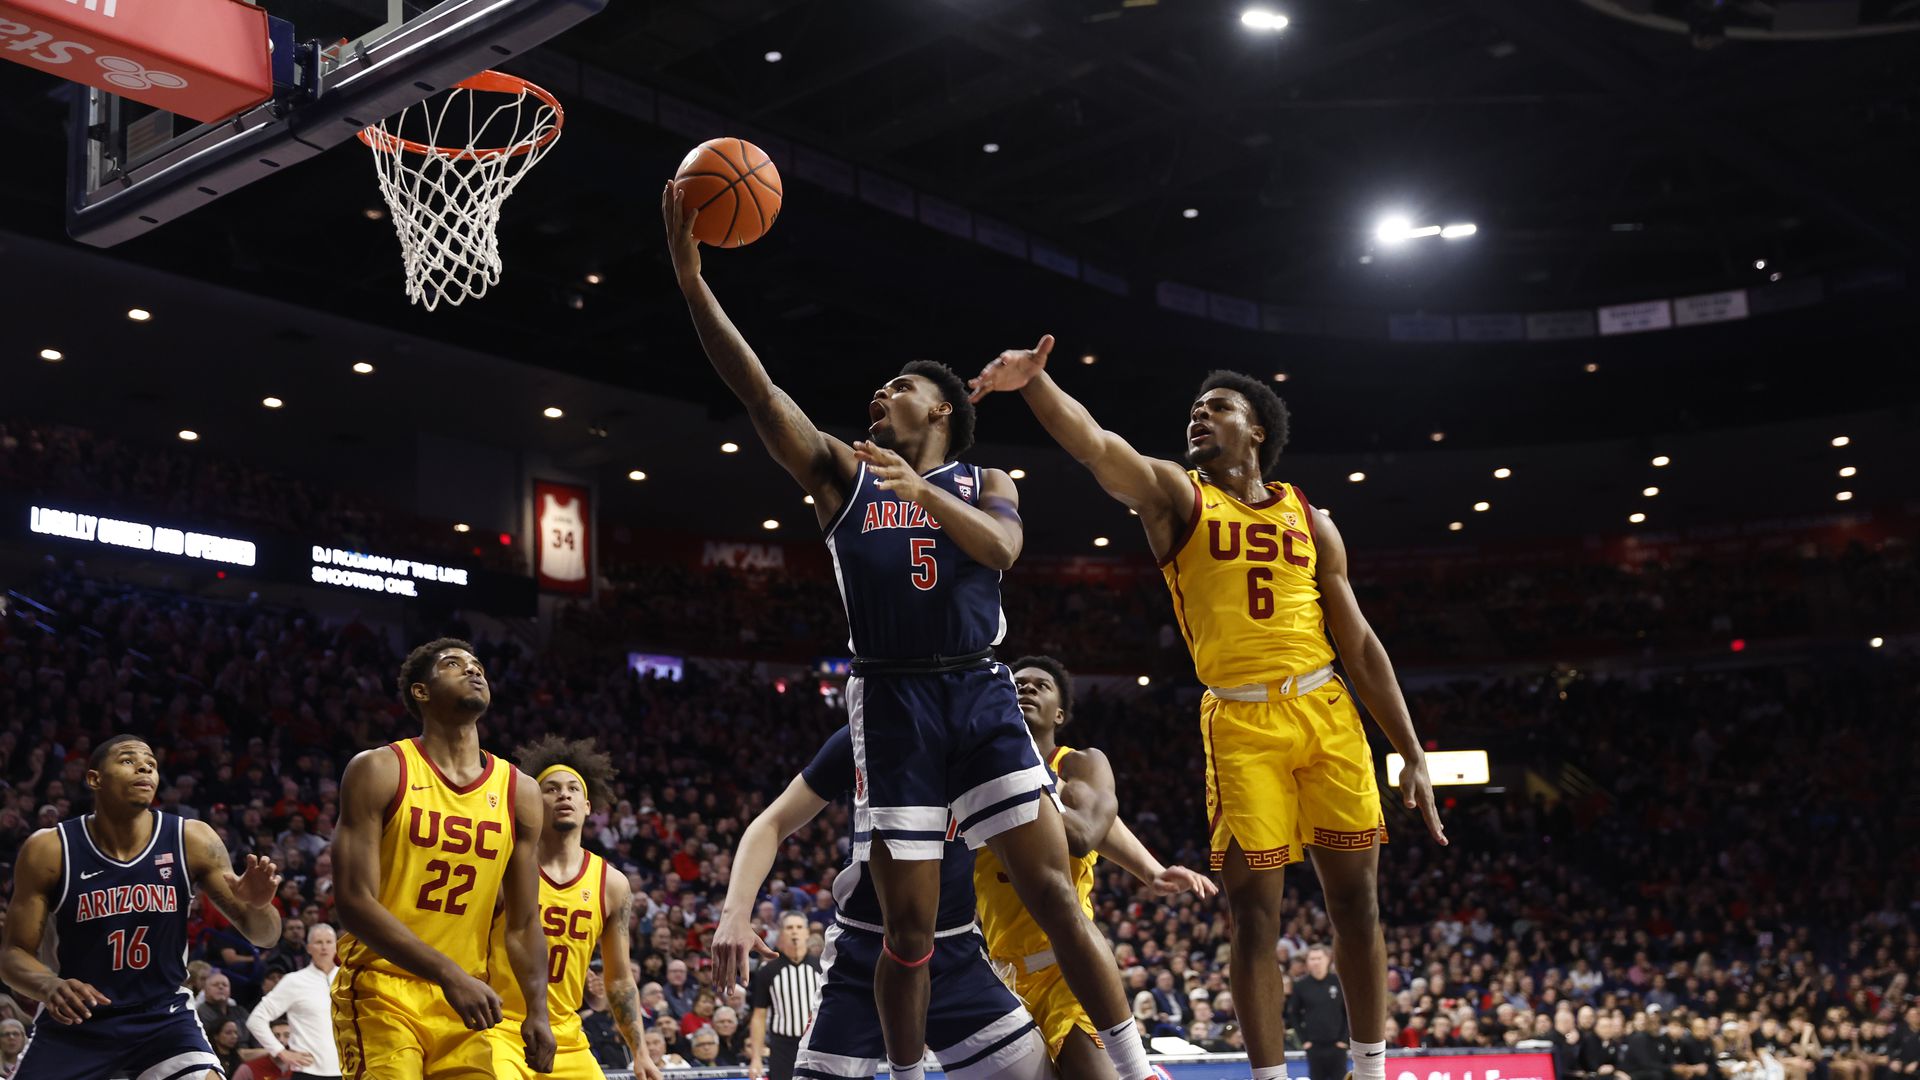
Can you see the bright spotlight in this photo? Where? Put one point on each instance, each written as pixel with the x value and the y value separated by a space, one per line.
pixel 1841 440
pixel 1100 541
pixel 1143 680
pixel 52 356
pixel 1482 506
pixel 1662 461
pixel 1848 470
pixel 1262 19
pixel 189 436
pixel 1392 230
pixel 770 524
pixel 552 412
pixel 1649 491
pixel 1356 477
pixel 1455 232
pixel 1843 496
pixel 636 475
pixel 1636 517
pixel 1502 473
pixel 1456 526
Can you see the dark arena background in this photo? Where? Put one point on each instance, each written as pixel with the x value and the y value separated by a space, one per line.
pixel 1597 323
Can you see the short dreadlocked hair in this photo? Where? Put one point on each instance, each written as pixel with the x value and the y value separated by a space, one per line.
pixel 1268 410
pixel 418 668
pixel 1061 680
pixel 954 392
pixel 594 765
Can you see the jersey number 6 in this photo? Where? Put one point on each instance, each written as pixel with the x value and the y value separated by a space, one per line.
pixel 925 571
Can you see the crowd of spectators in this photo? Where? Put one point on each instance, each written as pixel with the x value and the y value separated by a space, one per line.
pixel 1728 847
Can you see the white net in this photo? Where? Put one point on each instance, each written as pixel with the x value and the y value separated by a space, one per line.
pixel 446 167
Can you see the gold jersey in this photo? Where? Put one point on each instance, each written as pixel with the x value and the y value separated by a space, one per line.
pixel 443 857
pixel 1010 931
pixel 572 914
pixel 1244 587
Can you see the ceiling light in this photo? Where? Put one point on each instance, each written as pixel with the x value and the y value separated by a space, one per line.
pixel 1456 526
pixel 1592 367
pixel 1482 506
pixel 1280 376
pixel 1438 436
pixel 1876 642
pixel 1759 264
pixel 1775 276
pixel 1261 19
pixel 1143 680
pixel 808 500
pixel 1089 359
pixel 272 402
pixel 1356 477
pixel 139 314
pixel 52 356
pixel 1455 232
pixel 990 148
pixel 1841 440
pixel 553 412
pixel 189 436
pixel 770 524
pixel 1017 474
pixel 1190 213
pixel 462 527
pixel 1649 492
pixel 373 213
pixel 1838 496
pixel 1502 473
pixel 1636 517
pixel 1392 230
pixel 1100 541
pixel 594 279
pixel 1848 470
pixel 1662 461
pixel 637 474
pixel 773 56
pixel 729 447
pixel 363 368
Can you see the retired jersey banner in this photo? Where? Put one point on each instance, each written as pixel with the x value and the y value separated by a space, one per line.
pixel 563 527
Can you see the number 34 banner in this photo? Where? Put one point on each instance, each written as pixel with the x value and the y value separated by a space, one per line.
pixel 563 526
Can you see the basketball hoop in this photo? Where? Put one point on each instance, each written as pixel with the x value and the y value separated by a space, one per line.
pixel 446 194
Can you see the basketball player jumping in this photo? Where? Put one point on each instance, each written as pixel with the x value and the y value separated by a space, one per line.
pixel 434 832
pixel 918 542
pixel 118 885
pixel 582 903
pixel 1259 579
pixel 1016 944
pixel 977 1028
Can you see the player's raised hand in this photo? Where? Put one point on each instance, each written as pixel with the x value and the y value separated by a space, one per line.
pixel 1416 793
pixel 680 240
pixel 1178 879
pixel 1011 370
pixel 537 1033
pixel 479 1007
pixel 892 473
pixel 72 1001
pixel 256 887
pixel 733 944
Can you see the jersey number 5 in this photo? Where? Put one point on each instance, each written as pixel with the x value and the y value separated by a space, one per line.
pixel 925 571
pixel 132 953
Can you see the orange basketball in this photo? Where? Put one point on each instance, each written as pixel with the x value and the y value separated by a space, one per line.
pixel 736 189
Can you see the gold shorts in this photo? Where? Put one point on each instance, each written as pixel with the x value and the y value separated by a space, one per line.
pixel 1288 773
pixel 392 1027
pixel 1055 1010
pixel 573 1060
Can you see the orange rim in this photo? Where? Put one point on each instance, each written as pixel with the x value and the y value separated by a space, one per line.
pixel 491 82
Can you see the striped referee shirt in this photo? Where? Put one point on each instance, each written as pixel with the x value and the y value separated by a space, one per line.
pixel 789 992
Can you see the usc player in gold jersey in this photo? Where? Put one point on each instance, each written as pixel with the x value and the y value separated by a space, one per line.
pixel 434 834
pixel 1260 589
pixel 583 904
pixel 1019 949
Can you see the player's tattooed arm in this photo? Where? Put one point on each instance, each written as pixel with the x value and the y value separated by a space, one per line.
pixel 617 966
pixel 247 898
pixel 36 881
pixel 1087 799
pixel 822 464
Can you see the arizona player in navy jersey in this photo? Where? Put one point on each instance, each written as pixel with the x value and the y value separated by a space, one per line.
pixel 919 540
pixel 117 885
pixel 976 1026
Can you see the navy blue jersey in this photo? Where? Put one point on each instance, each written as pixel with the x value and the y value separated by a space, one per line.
pixel 122 926
pixel 910 591
pixel 831 775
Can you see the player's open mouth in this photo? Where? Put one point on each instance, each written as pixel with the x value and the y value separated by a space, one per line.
pixel 877 412
pixel 1196 433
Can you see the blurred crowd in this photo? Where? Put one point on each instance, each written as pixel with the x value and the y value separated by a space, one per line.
pixel 1726 848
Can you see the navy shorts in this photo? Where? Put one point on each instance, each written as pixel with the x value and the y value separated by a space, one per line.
pixel 163 1041
pixel 975 1026
pixel 924 745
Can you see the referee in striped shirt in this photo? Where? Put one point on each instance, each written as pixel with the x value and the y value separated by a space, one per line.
pixel 784 994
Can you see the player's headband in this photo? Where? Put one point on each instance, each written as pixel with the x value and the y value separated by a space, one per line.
pixel 558 768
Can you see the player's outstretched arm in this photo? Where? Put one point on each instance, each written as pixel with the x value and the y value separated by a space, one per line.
pixel 734 940
pixel 245 899
pixel 1156 489
pixel 526 950
pixel 1372 672
pixel 1125 850
pixel 1088 802
pixel 616 958
pixel 822 464
pixel 36 881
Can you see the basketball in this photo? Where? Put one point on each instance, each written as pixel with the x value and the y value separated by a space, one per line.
pixel 736 189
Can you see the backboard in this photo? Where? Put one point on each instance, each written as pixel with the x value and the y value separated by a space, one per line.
pixel 339 65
